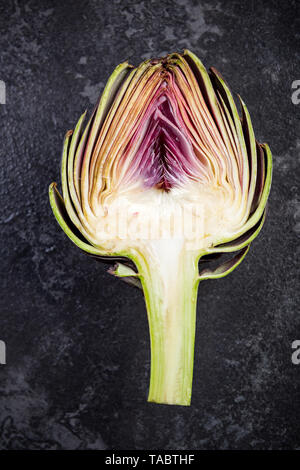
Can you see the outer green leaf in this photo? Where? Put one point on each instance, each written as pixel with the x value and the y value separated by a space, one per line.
pixel 225 268
pixel 59 211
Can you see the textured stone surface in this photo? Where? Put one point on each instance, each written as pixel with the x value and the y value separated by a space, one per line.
pixel 77 341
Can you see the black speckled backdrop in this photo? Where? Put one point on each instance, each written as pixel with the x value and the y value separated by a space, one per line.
pixel 78 355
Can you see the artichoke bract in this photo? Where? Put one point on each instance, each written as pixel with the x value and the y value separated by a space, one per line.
pixel 165 174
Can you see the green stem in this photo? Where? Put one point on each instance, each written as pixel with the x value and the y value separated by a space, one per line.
pixel 170 288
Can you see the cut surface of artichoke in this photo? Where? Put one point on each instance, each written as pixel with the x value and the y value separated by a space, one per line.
pixel 195 215
pixel 164 173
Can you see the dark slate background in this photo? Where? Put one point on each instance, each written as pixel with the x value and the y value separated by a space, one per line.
pixel 77 341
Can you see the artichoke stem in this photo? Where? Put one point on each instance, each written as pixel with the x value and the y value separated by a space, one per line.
pixel 170 283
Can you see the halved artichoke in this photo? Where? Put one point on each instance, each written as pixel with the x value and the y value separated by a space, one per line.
pixel 164 174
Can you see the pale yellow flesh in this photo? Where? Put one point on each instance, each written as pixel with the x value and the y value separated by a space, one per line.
pixel 192 215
